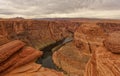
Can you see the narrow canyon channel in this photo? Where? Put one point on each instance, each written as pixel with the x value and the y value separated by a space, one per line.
pixel 46 59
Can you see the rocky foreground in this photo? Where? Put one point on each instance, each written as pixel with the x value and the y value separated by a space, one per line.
pixel 18 60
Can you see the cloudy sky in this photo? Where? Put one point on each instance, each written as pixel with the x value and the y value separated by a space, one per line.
pixel 60 8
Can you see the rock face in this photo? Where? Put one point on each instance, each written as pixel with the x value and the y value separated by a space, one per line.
pixel 7 50
pixel 73 57
pixel 36 33
pixel 88 37
pixel 103 61
pixel 112 42
pixel 91 53
pixel 70 60
pixel 17 60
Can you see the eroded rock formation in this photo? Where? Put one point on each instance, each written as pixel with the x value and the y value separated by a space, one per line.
pixel 17 60
pixel 104 61
pixel 35 32
pixel 88 37
pixel 92 49
pixel 73 57
pixel 70 60
pixel 109 27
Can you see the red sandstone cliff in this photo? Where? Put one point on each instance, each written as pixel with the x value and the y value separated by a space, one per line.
pixel 34 32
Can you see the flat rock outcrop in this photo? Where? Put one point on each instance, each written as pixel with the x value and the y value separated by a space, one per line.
pixel 18 60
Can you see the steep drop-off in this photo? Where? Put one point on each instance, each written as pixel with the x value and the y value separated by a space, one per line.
pixel 34 32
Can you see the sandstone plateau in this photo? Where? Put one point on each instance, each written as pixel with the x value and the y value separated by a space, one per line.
pixel 94 50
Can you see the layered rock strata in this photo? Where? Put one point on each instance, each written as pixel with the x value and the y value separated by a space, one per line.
pixel 104 61
pixel 91 53
pixel 73 57
pixel 17 60
pixel 88 37
pixel 36 33
pixel 69 59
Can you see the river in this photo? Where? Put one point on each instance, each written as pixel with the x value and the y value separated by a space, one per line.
pixel 46 59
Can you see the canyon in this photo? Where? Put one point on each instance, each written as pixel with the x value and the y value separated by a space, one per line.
pixel 65 47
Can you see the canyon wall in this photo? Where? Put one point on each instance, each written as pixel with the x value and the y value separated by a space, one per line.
pixel 40 33
pixel 86 55
pixel 109 26
pixel 35 32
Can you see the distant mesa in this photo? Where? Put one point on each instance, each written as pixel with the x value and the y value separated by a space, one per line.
pixel 18 18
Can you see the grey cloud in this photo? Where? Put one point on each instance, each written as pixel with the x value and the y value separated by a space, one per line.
pixel 46 7
pixel 6 12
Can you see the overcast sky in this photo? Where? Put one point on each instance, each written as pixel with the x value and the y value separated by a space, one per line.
pixel 60 8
